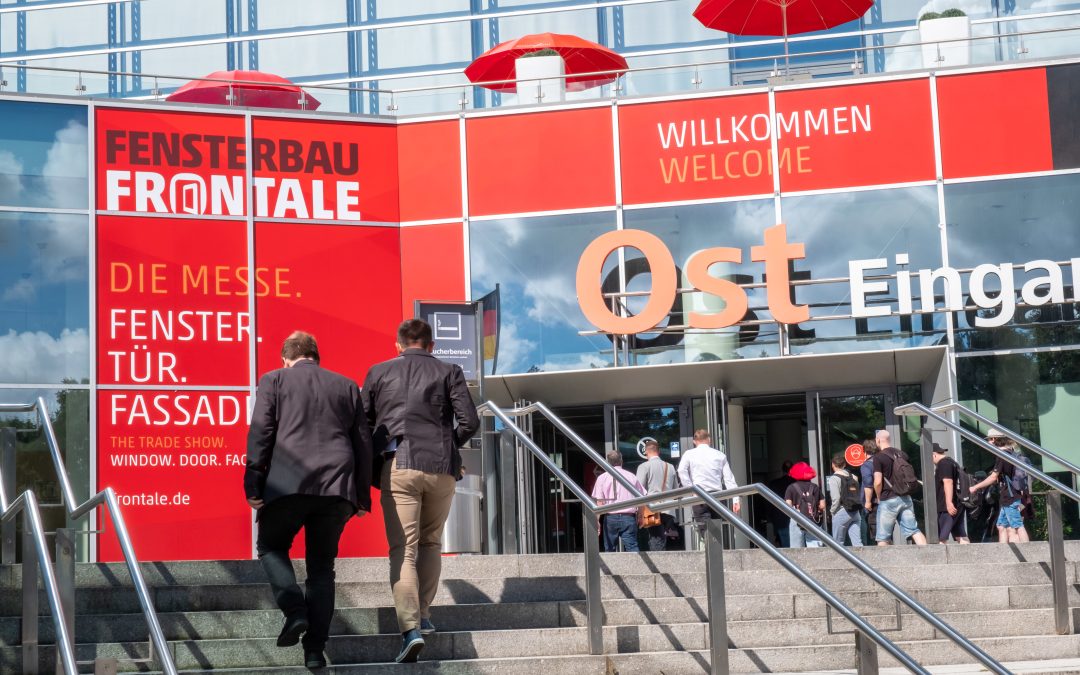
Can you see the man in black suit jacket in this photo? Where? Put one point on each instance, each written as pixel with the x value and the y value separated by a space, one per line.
pixel 412 403
pixel 308 465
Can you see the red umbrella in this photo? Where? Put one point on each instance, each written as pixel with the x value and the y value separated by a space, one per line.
pixel 249 88
pixel 580 56
pixel 778 17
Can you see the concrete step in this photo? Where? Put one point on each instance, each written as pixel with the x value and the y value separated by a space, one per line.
pixel 256 595
pixel 750 636
pixel 566 564
pixel 672 650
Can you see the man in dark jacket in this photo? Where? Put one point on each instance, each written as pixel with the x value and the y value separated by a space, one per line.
pixel 412 403
pixel 308 465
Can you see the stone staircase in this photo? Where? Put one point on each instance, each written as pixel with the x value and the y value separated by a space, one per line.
pixel 525 614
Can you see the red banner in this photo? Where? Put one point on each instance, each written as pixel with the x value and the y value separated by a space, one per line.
pixel 867 134
pixel 994 123
pixel 429 170
pixel 176 461
pixel 540 161
pixel 698 149
pixel 172 301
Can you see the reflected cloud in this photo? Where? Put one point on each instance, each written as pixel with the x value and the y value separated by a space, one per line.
pixel 35 356
pixel 11 170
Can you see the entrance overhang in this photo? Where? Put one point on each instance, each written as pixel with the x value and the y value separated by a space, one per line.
pixel 738 377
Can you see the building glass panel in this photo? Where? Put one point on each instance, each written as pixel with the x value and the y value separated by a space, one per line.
pixel 43 160
pixel 1016 221
pixel 534 262
pixel 44 298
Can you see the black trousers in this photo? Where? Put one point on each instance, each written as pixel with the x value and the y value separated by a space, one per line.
pixel 323 520
pixel 658 535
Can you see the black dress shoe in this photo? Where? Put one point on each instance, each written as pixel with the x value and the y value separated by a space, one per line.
pixel 294 627
pixel 314 658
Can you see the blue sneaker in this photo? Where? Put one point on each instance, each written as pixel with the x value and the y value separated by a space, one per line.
pixel 426 627
pixel 411 644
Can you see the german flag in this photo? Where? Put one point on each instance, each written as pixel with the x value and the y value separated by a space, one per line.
pixel 489 311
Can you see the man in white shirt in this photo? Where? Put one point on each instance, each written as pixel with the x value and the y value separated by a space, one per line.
pixel 706 467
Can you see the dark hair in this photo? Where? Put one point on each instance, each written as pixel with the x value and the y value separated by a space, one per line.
pixel 839 460
pixel 870 446
pixel 414 333
pixel 702 434
pixel 300 345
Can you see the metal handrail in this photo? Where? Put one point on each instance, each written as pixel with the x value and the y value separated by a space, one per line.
pixel 686 496
pixel 106 497
pixel 27 504
pixel 1054 516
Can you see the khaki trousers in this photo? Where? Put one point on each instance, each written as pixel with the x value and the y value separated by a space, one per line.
pixel 415 506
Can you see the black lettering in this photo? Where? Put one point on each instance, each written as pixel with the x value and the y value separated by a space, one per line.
pixel 263 155
pixel 114 144
pixel 167 146
pixel 340 167
pixel 191 146
pixel 140 144
pixel 318 157
pixel 236 152
pixel 215 149
pixel 291 155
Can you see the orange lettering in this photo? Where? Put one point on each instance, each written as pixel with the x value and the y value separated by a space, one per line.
pixel 735 300
pixel 664 280
pixel 117 287
pixel 776 253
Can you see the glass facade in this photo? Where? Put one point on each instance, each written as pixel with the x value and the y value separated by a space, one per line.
pixel 389 44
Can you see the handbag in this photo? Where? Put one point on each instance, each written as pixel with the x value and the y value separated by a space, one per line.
pixel 646 516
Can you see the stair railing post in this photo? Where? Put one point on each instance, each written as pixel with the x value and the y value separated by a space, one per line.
pixel 1056 536
pixel 29 598
pixel 594 606
pixel 866 661
pixel 714 588
pixel 65 580
pixel 7 473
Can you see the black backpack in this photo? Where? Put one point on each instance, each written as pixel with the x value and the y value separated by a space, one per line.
pixel 809 498
pixel 850 492
pixel 903 481
pixel 964 499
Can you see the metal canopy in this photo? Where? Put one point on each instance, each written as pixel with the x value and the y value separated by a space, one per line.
pixel 743 377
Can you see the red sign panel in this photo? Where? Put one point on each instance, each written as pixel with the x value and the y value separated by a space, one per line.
pixel 345 290
pixel 867 134
pixel 172 301
pixel 429 167
pixel 994 123
pixel 176 461
pixel 541 162
pixel 698 149
pixel 324 170
pixel 196 164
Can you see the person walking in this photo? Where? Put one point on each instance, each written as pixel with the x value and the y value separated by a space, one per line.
pixel 866 472
pixel 709 468
pixel 412 403
pixel 845 495
pixel 894 480
pixel 308 466
pixel 1013 487
pixel 620 525
pixel 656 475
pixel 805 497
pixel 951 516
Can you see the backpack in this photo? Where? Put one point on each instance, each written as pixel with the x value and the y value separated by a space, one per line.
pixel 964 499
pixel 1018 482
pixel 809 498
pixel 903 481
pixel 850 492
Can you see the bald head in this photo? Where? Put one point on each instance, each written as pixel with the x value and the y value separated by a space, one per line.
pixel 883 439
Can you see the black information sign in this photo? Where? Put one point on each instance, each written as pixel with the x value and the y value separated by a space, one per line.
pixel 454 327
